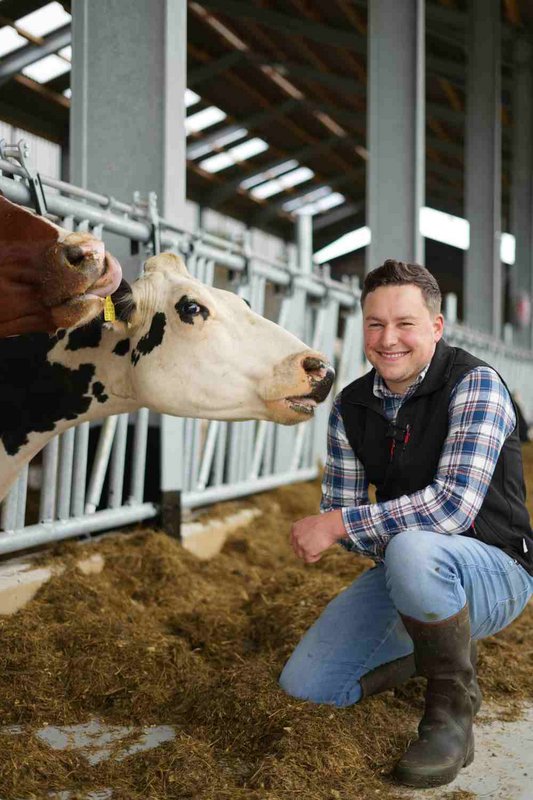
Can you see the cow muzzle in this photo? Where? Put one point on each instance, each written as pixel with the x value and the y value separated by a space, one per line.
pixel 79 268
pixel 300 383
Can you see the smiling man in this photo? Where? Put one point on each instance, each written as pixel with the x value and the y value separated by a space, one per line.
pixel 434 430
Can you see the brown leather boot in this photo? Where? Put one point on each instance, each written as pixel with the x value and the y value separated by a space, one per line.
pixel 396 673
pixel 445 741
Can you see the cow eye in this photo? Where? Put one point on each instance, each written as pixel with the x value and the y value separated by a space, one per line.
pixel 188 309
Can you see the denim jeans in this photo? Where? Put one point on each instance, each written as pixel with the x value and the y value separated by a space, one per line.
pixel 427 576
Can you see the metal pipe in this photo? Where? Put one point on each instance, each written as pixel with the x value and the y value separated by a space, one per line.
pixel 35 535
pixel 79 470
pixel 22 485
pixel 47 505
pixel 140 441
pixel 101 461
pixel 118 458
pixel 66 459
pixel 217 494
pixel 9 509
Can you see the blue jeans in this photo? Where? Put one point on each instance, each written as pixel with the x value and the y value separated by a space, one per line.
pixel 427 576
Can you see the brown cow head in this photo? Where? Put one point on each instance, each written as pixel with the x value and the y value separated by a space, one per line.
pixel 49 278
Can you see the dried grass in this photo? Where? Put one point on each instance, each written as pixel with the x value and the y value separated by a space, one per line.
pixel 160 637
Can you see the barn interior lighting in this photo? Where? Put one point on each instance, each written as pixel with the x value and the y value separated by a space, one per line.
pixel 46 69
pixel 260 177
pixel 44 20
pixel 68 93
pixel 434 224
pixel 191 98
pixel 10 40
pixel 323 204
pixel 240 152
pixel 348 243
pixel 217 140
pixel 66 53
pixel 203 119
pixel 286 181
pixel 308 197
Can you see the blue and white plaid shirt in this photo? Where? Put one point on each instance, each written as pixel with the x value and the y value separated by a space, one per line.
pixel 481 417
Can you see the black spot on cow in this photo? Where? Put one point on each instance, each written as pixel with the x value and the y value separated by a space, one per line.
pixel 98 391
pixel 151 340
pixel 35 393
pixel 60 334
pixel 122 347
pixel 87 336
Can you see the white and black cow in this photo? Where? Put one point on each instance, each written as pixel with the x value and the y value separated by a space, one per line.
pixel 178 347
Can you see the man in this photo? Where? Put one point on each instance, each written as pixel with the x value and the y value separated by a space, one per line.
pixel 434 430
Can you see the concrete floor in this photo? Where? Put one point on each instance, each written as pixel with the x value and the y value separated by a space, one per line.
pixel 502 769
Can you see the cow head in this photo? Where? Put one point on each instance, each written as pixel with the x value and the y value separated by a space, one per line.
pixel 202 352
pixel 49 278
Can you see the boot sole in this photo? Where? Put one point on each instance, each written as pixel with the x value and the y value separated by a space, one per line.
pixel 426 780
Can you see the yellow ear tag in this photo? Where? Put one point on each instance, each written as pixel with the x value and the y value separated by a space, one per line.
pixel 109 310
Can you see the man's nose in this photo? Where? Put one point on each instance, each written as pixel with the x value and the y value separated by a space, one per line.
pixel 389 335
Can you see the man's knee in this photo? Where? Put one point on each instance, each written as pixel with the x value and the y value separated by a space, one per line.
pixel 317 683
pixel 409 552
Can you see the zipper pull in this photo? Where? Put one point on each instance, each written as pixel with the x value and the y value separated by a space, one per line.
pixel 407 435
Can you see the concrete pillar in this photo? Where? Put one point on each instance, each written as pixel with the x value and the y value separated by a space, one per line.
pixel 483 271
pixel 127 115
pixel 521 180
pixel 396 119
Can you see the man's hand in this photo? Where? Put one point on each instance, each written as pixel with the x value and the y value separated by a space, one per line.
pixel 310 536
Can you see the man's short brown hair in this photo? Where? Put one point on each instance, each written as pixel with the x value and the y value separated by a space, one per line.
pixel 398 273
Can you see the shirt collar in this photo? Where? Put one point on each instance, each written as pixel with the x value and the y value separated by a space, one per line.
pixel 381 389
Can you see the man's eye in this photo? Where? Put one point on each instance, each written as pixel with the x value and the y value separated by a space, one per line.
pixel 188 309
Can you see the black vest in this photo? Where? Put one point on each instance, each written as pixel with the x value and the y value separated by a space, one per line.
pixel 402 457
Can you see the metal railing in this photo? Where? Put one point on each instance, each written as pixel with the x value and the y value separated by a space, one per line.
pixel 204 461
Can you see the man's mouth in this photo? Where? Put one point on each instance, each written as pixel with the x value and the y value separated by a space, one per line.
pixel 393 356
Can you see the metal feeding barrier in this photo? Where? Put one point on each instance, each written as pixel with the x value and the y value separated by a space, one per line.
pixel 94 479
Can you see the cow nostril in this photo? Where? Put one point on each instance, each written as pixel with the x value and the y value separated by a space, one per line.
pixel 74 255
pixel 312 364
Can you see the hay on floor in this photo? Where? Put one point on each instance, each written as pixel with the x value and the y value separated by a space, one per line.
pixel 160 637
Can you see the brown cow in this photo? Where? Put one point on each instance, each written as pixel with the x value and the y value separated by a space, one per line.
pixel 50 278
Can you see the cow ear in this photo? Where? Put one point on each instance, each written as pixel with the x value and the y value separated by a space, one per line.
pixel 124 303
pixel 164 262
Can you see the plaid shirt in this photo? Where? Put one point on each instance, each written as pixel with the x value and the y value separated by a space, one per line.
pixel 481 417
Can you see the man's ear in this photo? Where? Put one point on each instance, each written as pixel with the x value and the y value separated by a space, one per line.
pixel 438 327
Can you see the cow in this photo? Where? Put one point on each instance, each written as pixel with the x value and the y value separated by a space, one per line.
pixel 176 346
pixel 50 278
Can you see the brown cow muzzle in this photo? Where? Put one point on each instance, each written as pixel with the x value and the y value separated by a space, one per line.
pixel 76 266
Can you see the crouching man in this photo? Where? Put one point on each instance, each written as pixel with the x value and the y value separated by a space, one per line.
pixel 434 430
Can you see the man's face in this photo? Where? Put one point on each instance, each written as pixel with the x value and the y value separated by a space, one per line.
pixel 400 334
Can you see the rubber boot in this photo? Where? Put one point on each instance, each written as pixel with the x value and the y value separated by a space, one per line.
pixel 396 673
pixel 445 741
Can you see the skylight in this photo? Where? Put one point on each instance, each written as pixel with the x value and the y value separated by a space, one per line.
pixel 285 181
pixel 324 204
pixel 434 224
pixel 46 69
pixel 67 93
pixel 191 98
pixel 203 119
pixel 240 152
pixel 66 52
pixel 10 40
pixel 308 197
pixel 351 241
pixel 259 177
pixel 209 143
pixel 44 20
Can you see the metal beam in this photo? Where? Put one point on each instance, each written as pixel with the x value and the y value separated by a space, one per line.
pixel 483 270
pixel 14 63
pixel 199 75
pixel 321 221
pixel 396 129
pixel 318 32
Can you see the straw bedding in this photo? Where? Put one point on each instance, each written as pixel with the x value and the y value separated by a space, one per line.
pixel 160 637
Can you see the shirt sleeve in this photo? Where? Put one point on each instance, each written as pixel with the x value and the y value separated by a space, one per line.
pixel 481 417
pixel 345 482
